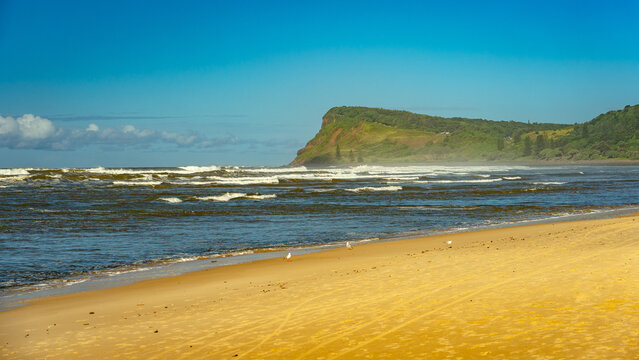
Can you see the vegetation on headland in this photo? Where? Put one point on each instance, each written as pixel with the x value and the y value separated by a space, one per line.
pixel 352 135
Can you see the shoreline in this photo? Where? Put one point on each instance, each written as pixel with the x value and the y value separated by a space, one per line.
pixel 519 291
pixel 130 274
pixel 605 162
pixel 609 162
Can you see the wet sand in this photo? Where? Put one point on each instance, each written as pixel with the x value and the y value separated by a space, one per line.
pixel 558 290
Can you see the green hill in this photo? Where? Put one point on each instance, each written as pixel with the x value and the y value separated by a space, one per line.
pixel 360 134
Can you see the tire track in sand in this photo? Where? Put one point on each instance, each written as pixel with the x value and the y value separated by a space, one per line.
pixel 478 291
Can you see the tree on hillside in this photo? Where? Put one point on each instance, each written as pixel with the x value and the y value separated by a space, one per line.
pixel 527 146
pixel 517 137
pixel 540 143
pixel 338 153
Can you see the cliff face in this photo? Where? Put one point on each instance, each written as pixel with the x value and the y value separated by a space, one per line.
pixel 357 134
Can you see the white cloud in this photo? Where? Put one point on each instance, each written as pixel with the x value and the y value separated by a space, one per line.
pixel 27 127
pixel 34 127
pixel 182 140
pixel 128 129
pixel 8 126
pixel 33 132
pixel 26 131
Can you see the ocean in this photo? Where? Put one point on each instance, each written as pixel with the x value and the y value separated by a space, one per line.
pixel 64 226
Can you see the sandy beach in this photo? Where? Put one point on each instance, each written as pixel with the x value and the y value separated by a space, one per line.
pixel 557 290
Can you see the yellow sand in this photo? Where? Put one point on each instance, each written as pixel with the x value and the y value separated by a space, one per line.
pixel 564 290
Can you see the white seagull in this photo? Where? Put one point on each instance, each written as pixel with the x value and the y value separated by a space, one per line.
pixel 349 246
pixel 449 242
pixel 288 257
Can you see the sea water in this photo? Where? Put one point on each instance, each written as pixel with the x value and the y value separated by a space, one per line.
pixel 67 226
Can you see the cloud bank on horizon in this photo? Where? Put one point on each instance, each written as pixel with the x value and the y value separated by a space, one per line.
pixel 34 132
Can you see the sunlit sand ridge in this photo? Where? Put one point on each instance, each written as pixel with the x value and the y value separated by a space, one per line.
pixel 567 290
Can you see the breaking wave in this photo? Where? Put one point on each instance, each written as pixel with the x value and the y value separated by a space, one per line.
pixel 230 196
pixel 198 169
pixel 243 180
pixel 473 181
pixel 13 172
pixel 172 200
pixel 261 197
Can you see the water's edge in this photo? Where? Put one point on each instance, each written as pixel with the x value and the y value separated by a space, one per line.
pixel 119 277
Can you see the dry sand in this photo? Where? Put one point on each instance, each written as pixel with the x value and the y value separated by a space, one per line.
pixel 562 290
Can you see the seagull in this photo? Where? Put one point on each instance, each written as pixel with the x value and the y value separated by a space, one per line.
pixel 288 257
pixel 450 243
pixel 349 246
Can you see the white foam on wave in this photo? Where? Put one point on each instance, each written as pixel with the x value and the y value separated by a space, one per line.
pixel 137 183
pixel 224 197
pixel 15 178
pixel 180 170
pixel 218 180
pixel 367 240
pixel 172 200
pixel 435 169
pixel 548 183
pixel 244 180
pixel 240 253
pixel 370 188
pixel 198 169
pixel 401 178
pixel 119 272
pixel 511 177
pixel 398 173
pixel 54 177
pixel 261 197
pixel 277 170
pixel 230 196
pixel 324 176
pixel 74 281
pixel 457 181
pixel 102 170
pixel 14 172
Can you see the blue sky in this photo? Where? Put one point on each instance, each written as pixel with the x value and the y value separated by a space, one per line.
pixel 135 83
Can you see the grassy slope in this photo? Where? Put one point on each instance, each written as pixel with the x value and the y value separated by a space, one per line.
pixel 358 134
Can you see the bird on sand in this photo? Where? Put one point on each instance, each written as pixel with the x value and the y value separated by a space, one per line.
pixel 450 243
pixel 349 246
pixel 288 257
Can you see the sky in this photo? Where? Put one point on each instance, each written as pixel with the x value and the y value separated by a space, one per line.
pixel 159 83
